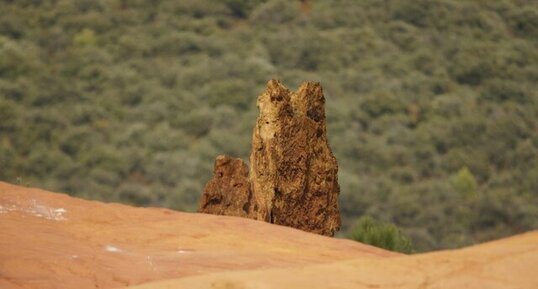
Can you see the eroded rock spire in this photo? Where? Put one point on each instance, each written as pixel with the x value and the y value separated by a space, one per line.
pixel 293 173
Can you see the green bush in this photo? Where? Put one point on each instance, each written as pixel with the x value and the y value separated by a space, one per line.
pixel 242 8
pixel 275 12
pixel 86 37
pixel 465 183
pixel 387 236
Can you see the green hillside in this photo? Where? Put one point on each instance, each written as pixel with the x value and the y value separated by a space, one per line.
pixel 432 105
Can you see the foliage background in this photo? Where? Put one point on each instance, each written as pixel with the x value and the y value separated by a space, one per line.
pixel 432 104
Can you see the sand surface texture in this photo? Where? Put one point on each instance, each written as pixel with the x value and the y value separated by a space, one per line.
pixel 51 240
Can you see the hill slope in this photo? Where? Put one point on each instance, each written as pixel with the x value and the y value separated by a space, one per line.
pixel 52 240
pixel 508 263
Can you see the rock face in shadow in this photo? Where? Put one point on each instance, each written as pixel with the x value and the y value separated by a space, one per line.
pixel 228 192
pixel 293 174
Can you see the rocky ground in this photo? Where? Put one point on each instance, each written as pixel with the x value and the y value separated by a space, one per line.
pixel 51 240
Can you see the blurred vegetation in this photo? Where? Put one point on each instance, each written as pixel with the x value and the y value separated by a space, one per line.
pixel 432 104
pixel 387 236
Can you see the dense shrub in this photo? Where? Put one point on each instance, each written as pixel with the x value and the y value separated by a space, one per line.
pixel 387 236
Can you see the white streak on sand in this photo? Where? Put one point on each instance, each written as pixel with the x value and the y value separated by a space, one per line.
pixel 113 249
pixel 36 209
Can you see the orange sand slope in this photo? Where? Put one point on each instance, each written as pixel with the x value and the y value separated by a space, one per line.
pixel 51 240
pixel 505 264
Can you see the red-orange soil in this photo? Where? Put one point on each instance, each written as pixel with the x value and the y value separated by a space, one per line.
pixel 51 240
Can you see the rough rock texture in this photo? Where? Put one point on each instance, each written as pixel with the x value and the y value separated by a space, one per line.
pixel 293 174
pixel 293 171
pixel 228 192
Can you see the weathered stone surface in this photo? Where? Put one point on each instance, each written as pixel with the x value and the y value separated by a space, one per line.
pixel 228 192
pixel 293 171
pixel 293 176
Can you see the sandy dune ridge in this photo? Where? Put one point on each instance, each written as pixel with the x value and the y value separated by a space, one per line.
pixel 51 240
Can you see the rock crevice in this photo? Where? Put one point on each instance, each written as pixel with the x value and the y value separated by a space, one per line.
pixel 292 179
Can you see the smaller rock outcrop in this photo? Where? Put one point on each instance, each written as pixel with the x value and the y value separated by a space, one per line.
pixel 228 192
pixel 293 178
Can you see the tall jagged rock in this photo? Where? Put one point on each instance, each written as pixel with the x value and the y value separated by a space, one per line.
pixel 293 171
pixel 293 174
